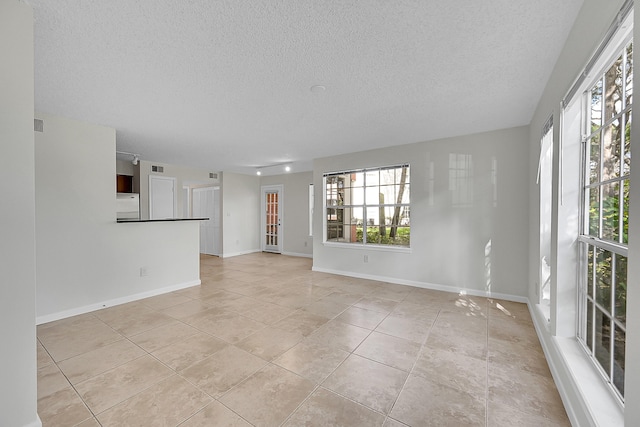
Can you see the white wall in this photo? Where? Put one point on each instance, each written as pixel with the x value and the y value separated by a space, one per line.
pixel 450 245
pixel 240 214
pixel 125 167
pixel 295 221
pixel 185 176
pixel 18 395
pixel 84 258
pixel 586 399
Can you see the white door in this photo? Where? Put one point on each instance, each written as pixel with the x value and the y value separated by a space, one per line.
pixel 272 218
pixel 206 204
pixel 162 197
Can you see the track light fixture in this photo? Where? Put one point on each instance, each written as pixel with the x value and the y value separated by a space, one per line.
pixel 276 167
pixel 136 157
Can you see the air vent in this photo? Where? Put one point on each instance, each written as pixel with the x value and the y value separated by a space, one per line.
pixel 158 169
pixel 38 125
pixel 213 175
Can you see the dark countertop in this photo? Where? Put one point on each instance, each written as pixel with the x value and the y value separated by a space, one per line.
pixel 162 220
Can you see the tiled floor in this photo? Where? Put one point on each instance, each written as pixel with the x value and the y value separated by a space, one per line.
pixel 267 342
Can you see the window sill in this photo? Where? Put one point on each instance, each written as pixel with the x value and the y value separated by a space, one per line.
pixel 587 398
pixel 545 309
pixel 359 246
pixel 604 408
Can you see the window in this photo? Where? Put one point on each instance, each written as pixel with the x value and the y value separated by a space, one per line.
pixel 605 211
pixel 368 206
pixel 545 182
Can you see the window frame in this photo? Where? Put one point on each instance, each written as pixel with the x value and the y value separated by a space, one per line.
pixel 363 244
pixel 588 305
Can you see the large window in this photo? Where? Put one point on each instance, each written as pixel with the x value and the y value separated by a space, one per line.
pixel 545 181
pixel 605 212
pixel 368 206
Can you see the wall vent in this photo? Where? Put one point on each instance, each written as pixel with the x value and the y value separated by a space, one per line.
pixel 213 175
pixel 159 169
pixel 38 125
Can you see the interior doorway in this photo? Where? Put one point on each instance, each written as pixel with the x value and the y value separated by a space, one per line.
pixel 162 197
pixel 206 204
pixel 272 218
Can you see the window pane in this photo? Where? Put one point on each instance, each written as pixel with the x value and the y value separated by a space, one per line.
pixel 611 211
pixel 332 214
pixel 405 195
pixel 613 89
pixel 626 166
pixel 596 106
pixel 618 359
pixel 594 158
pixel 603 279
pixel 372 194
pixel 372 178
pixel 603 340
pixel 389 193
pixel 625 212
pixel 389 176
pixel 621 289
pixel 589 284
pixel 629 72
pixel 355 224
pixel 594 212
pixel 611 150
pixel 590 325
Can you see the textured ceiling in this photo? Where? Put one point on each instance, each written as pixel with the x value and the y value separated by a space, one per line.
pixel 225 85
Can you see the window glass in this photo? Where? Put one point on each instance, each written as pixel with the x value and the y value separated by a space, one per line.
pixel 369 206
pixel 607 154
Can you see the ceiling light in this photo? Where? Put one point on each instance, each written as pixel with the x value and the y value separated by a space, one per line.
pixel 273 169
pixel 135 157
pixel 318 88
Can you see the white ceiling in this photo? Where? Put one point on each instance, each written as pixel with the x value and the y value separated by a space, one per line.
pixel 225 85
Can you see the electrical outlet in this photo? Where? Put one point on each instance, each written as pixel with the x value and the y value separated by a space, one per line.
pixel 144 271
pixel 366 258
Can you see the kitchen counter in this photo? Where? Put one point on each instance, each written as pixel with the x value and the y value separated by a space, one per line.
pixel 162 220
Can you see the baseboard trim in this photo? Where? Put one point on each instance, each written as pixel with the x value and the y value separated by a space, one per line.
pixel 425 285
pixel 113 302
pixel 298 254
pixel 36 423
pixel 232 254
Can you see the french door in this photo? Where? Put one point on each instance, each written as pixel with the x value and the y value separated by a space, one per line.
pixel 272 218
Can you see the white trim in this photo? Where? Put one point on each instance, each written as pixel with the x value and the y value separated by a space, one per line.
pixel 298 254
pixel 425 285
pixel 112 302
pixel 368 246
pixel 232 254
pixel 36 423
pixel 586 398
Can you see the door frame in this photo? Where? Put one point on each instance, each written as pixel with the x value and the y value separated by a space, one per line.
pixel 217 235
pixel 175 195
pixel 263 217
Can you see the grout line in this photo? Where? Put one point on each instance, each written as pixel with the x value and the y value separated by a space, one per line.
pixel 347 289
